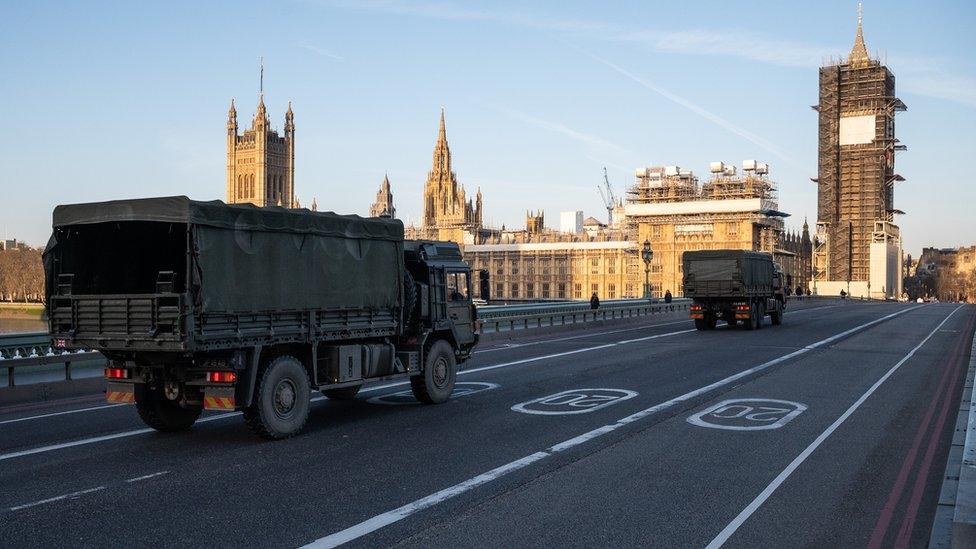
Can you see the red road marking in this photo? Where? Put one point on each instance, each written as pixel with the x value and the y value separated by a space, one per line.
pixel 881 527
pixel 911 513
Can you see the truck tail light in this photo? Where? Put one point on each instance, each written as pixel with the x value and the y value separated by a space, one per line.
pixel 116 373
pixel 741 307
pixel 221 377
pixel 695 308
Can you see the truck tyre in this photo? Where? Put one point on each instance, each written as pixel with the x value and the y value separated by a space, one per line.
pixel 409 301
pixel 342 393
pixel 751 323
pixel 760 315
pixel 711 322
pixel 281 402
pixel 731 321
pixel 162 414
pixel 776 316
pixel 436 383
pixel 700 324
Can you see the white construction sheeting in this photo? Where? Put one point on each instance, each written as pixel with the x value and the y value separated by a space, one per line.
pixel 552 246
pixel 857 130
pixel 699 206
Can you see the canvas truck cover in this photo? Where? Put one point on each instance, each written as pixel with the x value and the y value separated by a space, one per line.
pixel 716 266
pixel 245 258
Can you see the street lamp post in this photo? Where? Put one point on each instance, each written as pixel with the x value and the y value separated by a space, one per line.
pixel 647 254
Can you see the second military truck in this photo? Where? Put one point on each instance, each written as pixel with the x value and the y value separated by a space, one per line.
pixel 203 305
pixel 734 286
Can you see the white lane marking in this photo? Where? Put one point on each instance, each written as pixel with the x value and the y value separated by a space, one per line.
pixel 134 432
pixel 574 401
pixel 147 477
pixel 395 515
pixel 385 519
pixel 748 414
pixel 510 346
pixel 747 512
pixel 4 422
pixel 72 495
pixel 406 398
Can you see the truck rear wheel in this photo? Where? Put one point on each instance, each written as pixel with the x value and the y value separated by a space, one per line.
pixel 752 322
pixel 436 383
pixel 700 324
pixel 342 393
pixel 281 403
pixel 760 315
pixel 776 317
pixel 162 414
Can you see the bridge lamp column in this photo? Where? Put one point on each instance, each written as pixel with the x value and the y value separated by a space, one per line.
pixel 647 254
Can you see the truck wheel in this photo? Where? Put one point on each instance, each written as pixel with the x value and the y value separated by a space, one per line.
pixel 731 322
pixel 711 322
pixel 409 300
pixel 760 315
pixel 436 383
pixel 281 402
pixel 751 323
pixel 342 393
pixel 700 324
pixel 776 317
pixel 162 414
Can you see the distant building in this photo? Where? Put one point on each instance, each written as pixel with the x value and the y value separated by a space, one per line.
pixel 948 274
pixel 571 222
pixel 535 222
pixel 858 243
pixel 448 213
pixel 669 209
pixel 383 207
pixel 261 163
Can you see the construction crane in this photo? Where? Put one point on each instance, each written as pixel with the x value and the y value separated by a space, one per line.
pixel 609 200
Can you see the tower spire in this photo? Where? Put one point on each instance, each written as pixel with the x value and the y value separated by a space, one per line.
pixel 261 84
pixel 859 53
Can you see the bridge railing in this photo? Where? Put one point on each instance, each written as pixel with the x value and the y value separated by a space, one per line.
pixel 503 318
pixel 32 351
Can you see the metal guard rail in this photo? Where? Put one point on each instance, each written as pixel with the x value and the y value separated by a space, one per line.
pixel 510 318
pixel 33 349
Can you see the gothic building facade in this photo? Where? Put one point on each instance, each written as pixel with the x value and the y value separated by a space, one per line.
pixel 383 207
pixel 858 243
pixel 260 162
pixel 447 211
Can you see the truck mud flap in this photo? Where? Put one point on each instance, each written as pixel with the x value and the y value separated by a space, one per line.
pixel 219 398
pixel 120 393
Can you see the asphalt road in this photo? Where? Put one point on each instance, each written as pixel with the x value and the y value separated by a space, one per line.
pixel 830 430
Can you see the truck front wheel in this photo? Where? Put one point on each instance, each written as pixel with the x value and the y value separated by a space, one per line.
pixel 162 414
pixel 436 383
pixel 281 403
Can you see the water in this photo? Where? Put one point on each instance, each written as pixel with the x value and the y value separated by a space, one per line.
pixel 11 325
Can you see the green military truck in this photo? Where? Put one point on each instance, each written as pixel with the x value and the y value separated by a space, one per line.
pixel 734 286
pixel 204 305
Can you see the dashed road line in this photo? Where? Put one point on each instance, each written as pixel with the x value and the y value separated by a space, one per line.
pixel 72 495
pixel 146 477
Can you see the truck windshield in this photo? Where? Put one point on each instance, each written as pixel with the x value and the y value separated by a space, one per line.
pixel 457 286
pixel 712 269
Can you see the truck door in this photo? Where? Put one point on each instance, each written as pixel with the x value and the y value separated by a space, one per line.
pixel 459 305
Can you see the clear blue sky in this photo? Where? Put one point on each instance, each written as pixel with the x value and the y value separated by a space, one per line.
pixel 128 99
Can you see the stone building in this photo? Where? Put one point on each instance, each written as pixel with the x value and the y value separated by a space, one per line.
pixel 448 213
pixel 668 208
pixel 260 162
pixel 383 207
pixel 858 243
pixel 947 274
